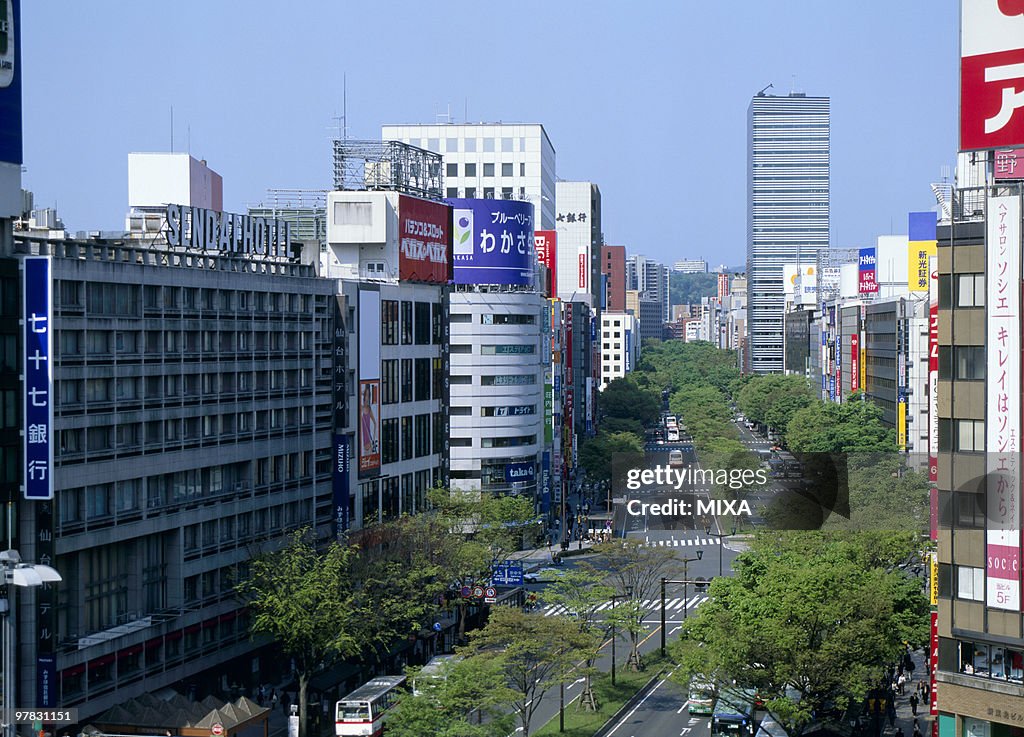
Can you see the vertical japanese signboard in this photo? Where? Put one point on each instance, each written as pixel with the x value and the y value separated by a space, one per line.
pixel 933 397
pixel 546 243
pixel 369 430
pixel 1002 429
pixel 37 337
pixel 991 74
pixel 339 390
pixel 921 248
pixel 1009 164
pixel 867 271
pixel 854 362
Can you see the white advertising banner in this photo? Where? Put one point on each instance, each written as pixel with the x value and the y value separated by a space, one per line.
pixel 1002 427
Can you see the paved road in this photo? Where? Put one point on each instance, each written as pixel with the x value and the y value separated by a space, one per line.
pixel 661 712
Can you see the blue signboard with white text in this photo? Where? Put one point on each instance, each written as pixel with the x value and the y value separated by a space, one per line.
pixel 545 484
pixel 37 337
pixel 340 483
pixel 507 573
pixel 519 472
pixel 10 82
pixel 492 242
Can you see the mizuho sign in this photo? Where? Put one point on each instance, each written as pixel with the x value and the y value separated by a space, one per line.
pixel 227 233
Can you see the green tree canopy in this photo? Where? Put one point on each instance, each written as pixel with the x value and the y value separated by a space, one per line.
pixel 851 427
pixel 597 453
pixel 622 399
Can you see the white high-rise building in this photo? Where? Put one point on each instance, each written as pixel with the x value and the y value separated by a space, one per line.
pixel 787 208
pixel 650 277
pixel 578 248
pixel 490 161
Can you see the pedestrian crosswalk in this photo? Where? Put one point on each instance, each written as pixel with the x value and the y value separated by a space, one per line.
pixel 648 605
pixel 685 543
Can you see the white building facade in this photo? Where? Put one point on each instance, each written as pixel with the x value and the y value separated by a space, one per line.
pixel 620 345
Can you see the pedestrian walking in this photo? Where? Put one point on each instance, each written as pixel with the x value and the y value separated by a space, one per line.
pixel 273 698
pixel 901 683
pixel 913 703
pixel 917 730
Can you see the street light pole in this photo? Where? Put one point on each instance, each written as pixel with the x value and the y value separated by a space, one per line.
pixel 15 573
pixel 685 580
pixel 616 597
pixel 718 535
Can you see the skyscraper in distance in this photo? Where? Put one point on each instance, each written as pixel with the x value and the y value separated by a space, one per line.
pixel 787 208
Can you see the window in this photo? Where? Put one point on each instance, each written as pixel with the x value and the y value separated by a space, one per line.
pixel 506 193
pixel 407 448
pixel 508 442
pixel 488 145
pixel 969 510
pixel 470 192
pixel 422 435
pixel 407 380
pixel 488 193
pixel 422 325
pixel 451 192
pixel 968 362
pixel 389 322
pixel 488 170
pixel 970 583
pixel 471 145
pixel 451 145
pixel 970 290
pixel 522 170
pixel 470 170
pixel 389 440
pixel 451 170
pixel 389 381
pixel 423 380
pixel 506 145
pixel 406 323
pixel 506 170
pixel 970 436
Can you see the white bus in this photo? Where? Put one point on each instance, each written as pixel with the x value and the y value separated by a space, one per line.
pixel 436 669
pixel 675 458
pixel 362 712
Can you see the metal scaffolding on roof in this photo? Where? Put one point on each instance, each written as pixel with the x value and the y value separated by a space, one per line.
pixel 387 165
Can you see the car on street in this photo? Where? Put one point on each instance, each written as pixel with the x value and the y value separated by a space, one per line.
pixel 541 575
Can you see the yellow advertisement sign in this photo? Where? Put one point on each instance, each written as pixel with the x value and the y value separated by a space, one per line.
pixel 918 273
pixel 901 423
pixel 863 367
pixel 933 578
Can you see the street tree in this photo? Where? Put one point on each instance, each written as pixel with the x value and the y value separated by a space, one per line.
pixel 851 427
pixel 598 453
pixel 807 620
pixel 623 399
pixel 305 597
pixel 581 592
pixel 467 698
pixel 626 619
pixel 533 654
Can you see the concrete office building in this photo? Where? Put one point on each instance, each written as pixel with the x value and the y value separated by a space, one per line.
pixel 578 256
pixel 191 422
pixel 690 266
pixel 490 161
pixel 648 312
pixel 979 626
pixel 613 268
pixel 651 277
pixel 620 345
pixel 787 208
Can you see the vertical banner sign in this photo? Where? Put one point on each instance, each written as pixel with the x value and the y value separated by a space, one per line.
pixel 933 397
pixel 854 362
pixel 921 248
pixel 584 268
pixel 867 274
pixel 629 351
pixel 545 242
pixel 445 307
pixel 933 666
pixel 545 483
pixel 991 74
pixel 933 578
pixel 37 338
pixel 339 485
pixel 901 421
pixel 369 429
pixel 1002 429
pixel 46 612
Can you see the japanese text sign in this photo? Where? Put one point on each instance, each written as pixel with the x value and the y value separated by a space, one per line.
pixel 492 242
pixel 38 387
pixel 991 74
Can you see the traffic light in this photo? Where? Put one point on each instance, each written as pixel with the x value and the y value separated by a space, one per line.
pixel 701 584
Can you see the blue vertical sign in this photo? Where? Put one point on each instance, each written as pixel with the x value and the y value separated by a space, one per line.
pixel 629 351
pixel 37 337
pixel 340 483
pixel 545 483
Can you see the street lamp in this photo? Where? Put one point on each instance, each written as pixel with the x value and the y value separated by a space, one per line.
pixel 16 573
pixel 718 535
pixel 616 597
pixel 685 580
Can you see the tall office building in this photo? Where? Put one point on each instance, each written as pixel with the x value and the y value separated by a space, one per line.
pixel 613 268
pixel 650 277
pixel 502 161
pixel 787 208
pixel 578 250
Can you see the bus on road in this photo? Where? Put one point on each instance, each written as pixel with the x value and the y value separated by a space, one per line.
pixel 701 697
pixel 362 712
pixel 734 713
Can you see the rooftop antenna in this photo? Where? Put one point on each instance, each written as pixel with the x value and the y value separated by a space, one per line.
pixel 344 105
pixel 765 89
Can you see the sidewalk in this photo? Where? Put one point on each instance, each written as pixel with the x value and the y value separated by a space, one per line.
pixel 904 715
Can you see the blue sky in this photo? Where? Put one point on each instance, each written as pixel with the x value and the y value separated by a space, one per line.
pixel 648 99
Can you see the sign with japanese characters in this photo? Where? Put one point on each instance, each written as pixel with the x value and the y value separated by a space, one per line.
pixel 340 483
pixel 37 337
pixel 424 240
pixel 867 271
pixel 546 243
pixel 1002 429
pixel 920 249
pixel 493 242
pixel 1009 164
pixel 991 74
pixel 854 362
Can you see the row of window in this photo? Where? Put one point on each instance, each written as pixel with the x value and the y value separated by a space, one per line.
pixel 487 145
pixel 107 342
pixel 507 193
pixel 963 436
pixel 410 323
pixel 411 380
pixel 102 298
pixel 469 169
pixel 411 436
pixel 963 290
pixel 189 386
pixel 506 442
pixel 238 529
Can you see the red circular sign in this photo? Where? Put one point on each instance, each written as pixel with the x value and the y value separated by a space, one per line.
pixel 478 591
pixel 491 593
pixel 217 729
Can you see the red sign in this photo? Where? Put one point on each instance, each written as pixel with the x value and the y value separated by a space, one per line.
pixel 933 665
pixel 217 729
pixel 1009 164
pixel 424 240
pixel 854 362
pixel 545 242
pixel 583 271
pixel 991 74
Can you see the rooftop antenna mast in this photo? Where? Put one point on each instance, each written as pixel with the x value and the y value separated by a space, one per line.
pixel 765 89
